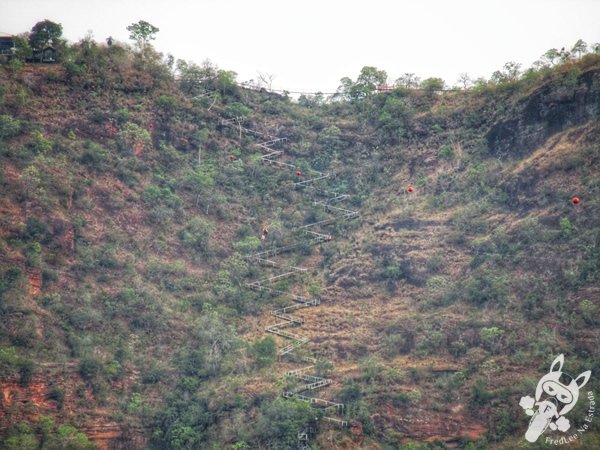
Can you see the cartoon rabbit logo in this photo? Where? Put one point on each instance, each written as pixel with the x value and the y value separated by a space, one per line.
pixel 555 395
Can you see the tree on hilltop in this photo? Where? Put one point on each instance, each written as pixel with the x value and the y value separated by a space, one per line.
pixel 142 33
pixel 45 33
pixel 369 79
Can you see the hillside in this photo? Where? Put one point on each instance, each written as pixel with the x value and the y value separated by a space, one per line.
pixel 128 206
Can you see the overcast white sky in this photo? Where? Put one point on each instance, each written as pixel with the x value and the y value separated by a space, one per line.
pixel 309 45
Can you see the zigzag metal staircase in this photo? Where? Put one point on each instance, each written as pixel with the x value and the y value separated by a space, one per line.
pixel 327 200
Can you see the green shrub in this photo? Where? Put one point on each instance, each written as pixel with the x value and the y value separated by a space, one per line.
pixel 90 368
pixel 73 71
pixel 504 422
pixel 457 348
pixel 106 257
pixel 265 351
pixel 200 178
pixel 237 110
pixel 531 231
pixel 40 144
pixel 161 215
pixel 394 119
pixel 247 245
pixel 589 312
pixel 10 279
pixel 440 292
pixel 9 127
pixel 122 115
pixel 397 344
pixel 196 234
pixel 35 230
pixel 491 338
pixel 480 396
pixel 135 403
pixel 154 375
pixel 133 139
pixel 9 362
pixel 94 156
pixel 371 368
pixel 435 262
pixel 350 393
pixel 486 286
pixel 400 399
pixel 392 273
pixel 431 342
pixel 566 227
pixel 57 394
pixel 48 277
pixel 33 254
pixel 26 371
pixel 446 152
pixel 314 289
pixel 167 103
pixel 399 339
pixel 21 437
pixel 158 196
pixel 280 421
pixel 589 269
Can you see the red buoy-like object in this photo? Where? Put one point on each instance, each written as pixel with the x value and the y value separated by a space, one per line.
pixel 410 189
pixel 575 200
pixel 231 157
pixel 298 173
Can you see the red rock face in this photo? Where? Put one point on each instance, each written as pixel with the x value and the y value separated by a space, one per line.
pixel 357 433
pixel 34 276
pixel 18 403
pixel 67 240
pixel 104 435
pixel 429 427
pixel 26 404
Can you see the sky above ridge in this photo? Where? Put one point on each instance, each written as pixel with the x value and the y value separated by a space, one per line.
pixel 310 45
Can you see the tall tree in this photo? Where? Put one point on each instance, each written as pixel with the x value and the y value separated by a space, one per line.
pixel 408 81
pixel 551 55
pixel 510 72
pixel 368 80
pixel 432 84
pixel 580 47
pixel 45 33
pixel 142 33
pixel 465 80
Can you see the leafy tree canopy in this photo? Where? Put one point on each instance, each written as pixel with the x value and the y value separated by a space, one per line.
pixel 366 84
pixel 45 33
pixel 142 33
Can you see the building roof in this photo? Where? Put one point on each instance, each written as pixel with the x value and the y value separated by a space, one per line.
pixel 6 35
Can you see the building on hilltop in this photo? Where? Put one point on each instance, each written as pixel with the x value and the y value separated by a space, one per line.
pixel 47 55
pixel 7 44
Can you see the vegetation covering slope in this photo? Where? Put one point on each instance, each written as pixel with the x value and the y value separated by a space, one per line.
pixel 124 224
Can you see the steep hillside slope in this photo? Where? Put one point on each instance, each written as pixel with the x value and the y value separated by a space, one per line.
pixel 127 209
pixel 486 271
